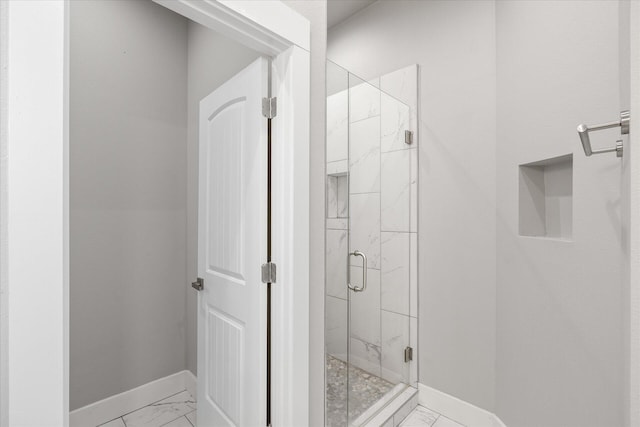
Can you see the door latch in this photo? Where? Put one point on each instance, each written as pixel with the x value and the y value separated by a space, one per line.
pixel 198 285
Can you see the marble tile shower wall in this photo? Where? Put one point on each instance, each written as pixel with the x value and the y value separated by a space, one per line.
pixel 372 194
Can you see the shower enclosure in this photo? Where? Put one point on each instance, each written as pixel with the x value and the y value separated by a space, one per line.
pixel 371 242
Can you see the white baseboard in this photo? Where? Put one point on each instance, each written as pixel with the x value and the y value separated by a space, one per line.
pixel 115 406
pixel 456 409
pixel 191 383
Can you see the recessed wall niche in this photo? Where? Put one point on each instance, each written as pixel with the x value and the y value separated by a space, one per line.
pixel 546 198
pixel 338 195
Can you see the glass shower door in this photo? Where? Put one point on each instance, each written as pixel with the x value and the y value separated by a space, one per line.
pixel 379 247
pixel 337 248
pixel 371 246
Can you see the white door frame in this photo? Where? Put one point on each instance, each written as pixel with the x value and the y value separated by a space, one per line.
pixel 34 194
pixel 633 249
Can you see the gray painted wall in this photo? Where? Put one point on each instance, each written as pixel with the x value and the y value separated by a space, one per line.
pixel 138 72
pixel 212 60
pixel 128 130
pixel 454 44
pixel 522 326
pixel 561 311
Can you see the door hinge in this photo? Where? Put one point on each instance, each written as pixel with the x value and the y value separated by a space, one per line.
pixel 408 354
pixel 269 107
pixel 408 137
pixel 269 272
pixel 198 285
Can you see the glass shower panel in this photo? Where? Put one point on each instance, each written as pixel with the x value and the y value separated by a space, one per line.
pixel 379 183
pixel 337 246
pixel 371 177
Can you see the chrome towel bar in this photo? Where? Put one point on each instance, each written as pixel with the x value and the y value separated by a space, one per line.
pixel 583 133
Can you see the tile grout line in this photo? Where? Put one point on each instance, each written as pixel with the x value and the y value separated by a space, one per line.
pixel 189 419
pixel 361 120
pixel 151 404
pixel 394 312
pixel 185 415
pixel 182 416
pixel 110 421
pixel 437 418
pixel 156 404
pixel 171 403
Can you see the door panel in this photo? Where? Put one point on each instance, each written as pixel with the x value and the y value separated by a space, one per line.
pixel 231 243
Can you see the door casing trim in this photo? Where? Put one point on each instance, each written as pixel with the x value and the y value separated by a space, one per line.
pixel 34 354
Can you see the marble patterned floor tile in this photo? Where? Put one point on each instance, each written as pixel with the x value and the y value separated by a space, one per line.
pixel 420 417
pixel 191 416
pixel 443 421
pixel 162 412
pixel 114 423
pixel 180 422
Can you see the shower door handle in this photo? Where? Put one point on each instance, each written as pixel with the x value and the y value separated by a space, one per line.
pixel 364 271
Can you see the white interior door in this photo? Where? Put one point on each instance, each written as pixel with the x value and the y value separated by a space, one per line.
pixel 231 248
